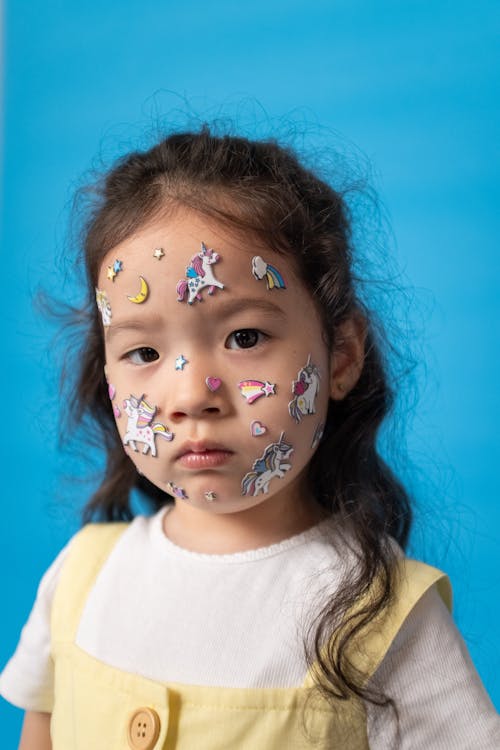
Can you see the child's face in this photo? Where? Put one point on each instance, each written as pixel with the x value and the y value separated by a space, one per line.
pixel 219 401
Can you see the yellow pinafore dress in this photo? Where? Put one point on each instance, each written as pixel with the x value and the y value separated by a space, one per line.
pixel 98 707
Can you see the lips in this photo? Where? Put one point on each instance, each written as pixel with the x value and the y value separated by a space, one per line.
pixel 195 454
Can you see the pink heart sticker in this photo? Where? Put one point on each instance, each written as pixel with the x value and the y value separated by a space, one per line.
pixel 213 384
pixel 111 391
pixel 116 411
pixel 257 428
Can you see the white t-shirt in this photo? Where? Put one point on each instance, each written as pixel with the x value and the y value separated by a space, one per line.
pixel 238 620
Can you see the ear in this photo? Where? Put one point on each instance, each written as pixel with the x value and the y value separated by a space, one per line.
pixel 347 358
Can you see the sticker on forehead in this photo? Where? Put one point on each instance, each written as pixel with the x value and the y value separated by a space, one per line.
pixel 199 274
pixel 272 464
pixel 142 295
pixel 176 491
pixel 103 306
pixel 114 270
pixel 254 389
pixel 139 426
pixel 261 269
pixel 304 389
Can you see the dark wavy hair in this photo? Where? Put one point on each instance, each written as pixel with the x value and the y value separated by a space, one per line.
pixel 262 188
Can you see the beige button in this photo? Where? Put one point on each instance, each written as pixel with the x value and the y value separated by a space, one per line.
pixel 143 729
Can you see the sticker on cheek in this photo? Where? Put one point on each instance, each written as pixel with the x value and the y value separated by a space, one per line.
pixel 257 428
pixel 158 253
pixel 103 306
pixel 199 275
pixel 112 394
pixel 318 434
pixel 261 270
pixel 304 390
pixel 254 389
pixel 273 464
pixel 142 294
pixel 176 491
pixel 139 426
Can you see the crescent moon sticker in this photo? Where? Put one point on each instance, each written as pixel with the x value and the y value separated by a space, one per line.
pixel 143 294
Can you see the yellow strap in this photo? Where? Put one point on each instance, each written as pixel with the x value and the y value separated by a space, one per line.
pixel 412 580
pixel 88 551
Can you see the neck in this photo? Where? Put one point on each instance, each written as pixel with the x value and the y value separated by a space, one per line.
pixel 268 523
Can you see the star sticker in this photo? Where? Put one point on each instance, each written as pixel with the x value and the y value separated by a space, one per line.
pixel 117 266
pixel 210 496
pixel 180 362
pixel 111 273
pixel 158 253
pixel 268 389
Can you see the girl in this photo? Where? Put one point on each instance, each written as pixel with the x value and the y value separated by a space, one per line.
pixel 237 380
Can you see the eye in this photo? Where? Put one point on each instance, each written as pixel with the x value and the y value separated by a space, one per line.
pixel 142 356
pixel 246 338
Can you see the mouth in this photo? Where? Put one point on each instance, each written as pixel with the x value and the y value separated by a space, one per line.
pixel 203 455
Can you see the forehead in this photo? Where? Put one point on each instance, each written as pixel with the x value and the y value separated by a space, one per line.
pixel 166 252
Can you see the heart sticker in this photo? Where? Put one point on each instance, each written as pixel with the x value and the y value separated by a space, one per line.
pixel 111 391
pixel 116 411
pixel 257 428
pixel 213 384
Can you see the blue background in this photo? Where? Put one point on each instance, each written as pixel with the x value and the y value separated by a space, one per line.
pixel 413 84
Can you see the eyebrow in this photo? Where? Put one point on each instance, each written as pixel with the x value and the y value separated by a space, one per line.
pixel 132 325
pixel 245 304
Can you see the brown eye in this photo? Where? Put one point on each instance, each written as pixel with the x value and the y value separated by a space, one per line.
pixel 246 338
pixel 143 356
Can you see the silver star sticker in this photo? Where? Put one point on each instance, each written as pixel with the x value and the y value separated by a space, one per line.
pixel 180 362
pixel 158 253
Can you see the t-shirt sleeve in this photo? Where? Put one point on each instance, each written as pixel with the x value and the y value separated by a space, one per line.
pixel 28 678
pixel 438 693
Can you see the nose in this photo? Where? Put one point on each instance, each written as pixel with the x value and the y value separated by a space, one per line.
pixel 196 395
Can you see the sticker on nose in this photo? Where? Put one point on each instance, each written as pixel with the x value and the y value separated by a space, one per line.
pixel 213 384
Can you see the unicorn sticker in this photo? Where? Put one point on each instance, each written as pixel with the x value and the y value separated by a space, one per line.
pixel 304 389
pixel 139 428
pixel 199 275
pixel 103 306
pixel 271 464
pixel 261 269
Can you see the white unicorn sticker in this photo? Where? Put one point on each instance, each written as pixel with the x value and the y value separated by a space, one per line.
pixel 271 464
pixel 199 275
pixel 304 389
pixel 139 428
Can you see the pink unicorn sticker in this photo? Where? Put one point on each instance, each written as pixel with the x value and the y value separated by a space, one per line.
pixel 139 428
pixel 199 275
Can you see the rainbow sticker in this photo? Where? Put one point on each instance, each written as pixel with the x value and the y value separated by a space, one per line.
pixel 254 389
pixel 261 269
